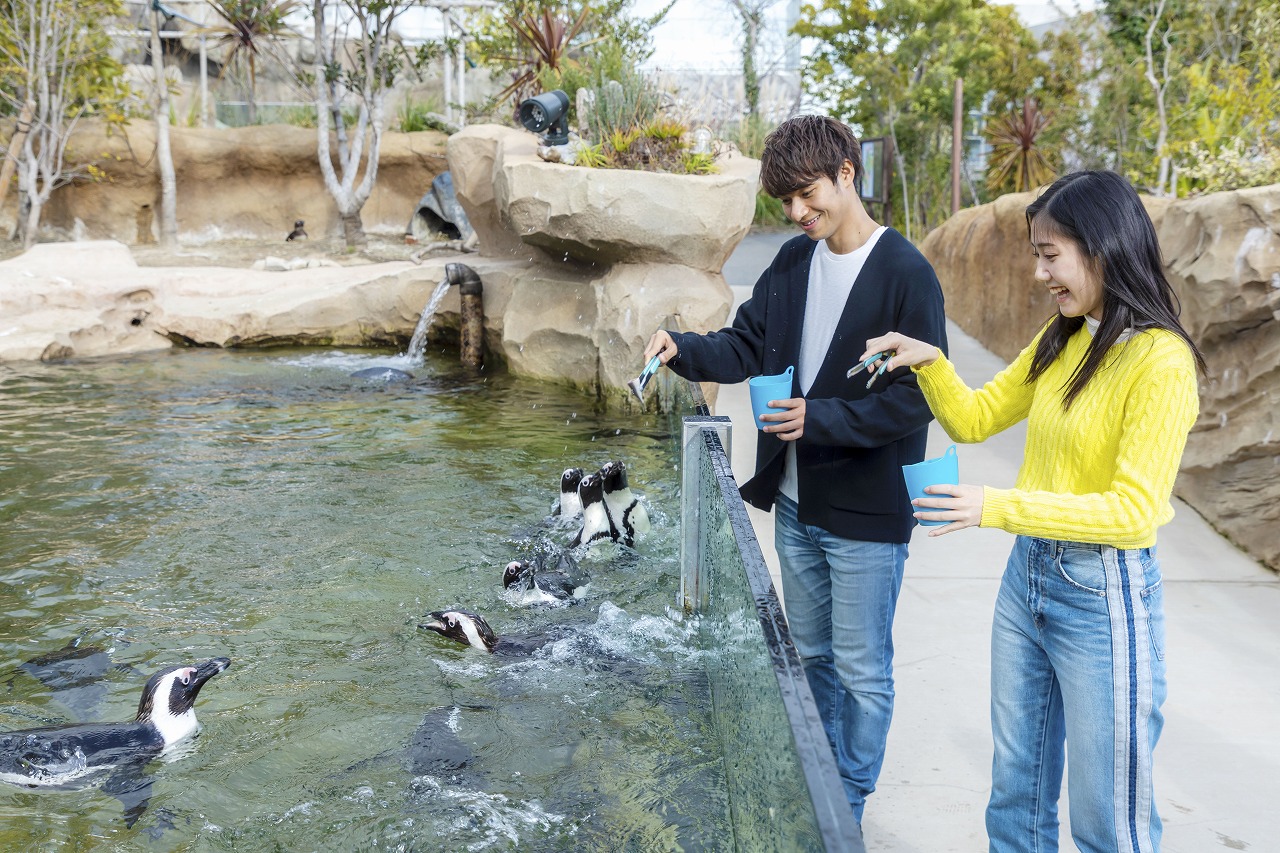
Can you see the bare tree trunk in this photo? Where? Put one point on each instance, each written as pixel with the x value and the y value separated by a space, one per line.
pixel 1158 87
pixel 164 155
pixel 15 145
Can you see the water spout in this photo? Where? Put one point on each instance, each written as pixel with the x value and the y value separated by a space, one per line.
pixel 418 343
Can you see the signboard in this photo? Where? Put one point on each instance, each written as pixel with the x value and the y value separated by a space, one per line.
pixel 875 171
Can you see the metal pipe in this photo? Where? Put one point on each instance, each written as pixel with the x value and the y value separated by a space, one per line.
pixel 471 328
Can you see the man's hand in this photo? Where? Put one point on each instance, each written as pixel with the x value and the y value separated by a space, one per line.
pixel 788 425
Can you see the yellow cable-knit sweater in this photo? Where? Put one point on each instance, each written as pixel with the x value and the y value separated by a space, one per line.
pixel 1101 471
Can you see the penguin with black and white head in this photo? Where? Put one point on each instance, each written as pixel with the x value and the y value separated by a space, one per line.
pixel 627 513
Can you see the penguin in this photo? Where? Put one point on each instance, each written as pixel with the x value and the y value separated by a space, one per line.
pixel 297 233
pixel 60 756
pixel 597 525
pixel 383 374
pixel 570 507
pixel 465 627
pixel 471 629
pixel 625 511
pixel 536 582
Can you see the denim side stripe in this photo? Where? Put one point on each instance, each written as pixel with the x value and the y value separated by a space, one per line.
pixel 1128 681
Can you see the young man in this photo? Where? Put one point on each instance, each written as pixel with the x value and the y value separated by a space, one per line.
pixel 831 463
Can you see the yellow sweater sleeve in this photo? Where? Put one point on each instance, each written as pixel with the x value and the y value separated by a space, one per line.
pixel 970 416
pixel 1100 472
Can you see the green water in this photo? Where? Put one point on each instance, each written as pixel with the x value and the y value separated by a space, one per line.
pixel 269 508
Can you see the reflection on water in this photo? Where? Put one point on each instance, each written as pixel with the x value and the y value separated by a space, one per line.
pixel 271 508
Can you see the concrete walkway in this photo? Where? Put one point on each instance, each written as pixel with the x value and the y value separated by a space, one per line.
pixel 1218 760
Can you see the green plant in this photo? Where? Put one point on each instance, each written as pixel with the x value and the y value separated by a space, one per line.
pixel 413 116
pixel 250 25
pixel 1234 166
pixel 592 157
pixel 1016 153
pixel 769 211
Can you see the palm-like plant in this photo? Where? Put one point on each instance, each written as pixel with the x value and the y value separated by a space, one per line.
pixel 546 37
pixel 1017 152
pixel 248 25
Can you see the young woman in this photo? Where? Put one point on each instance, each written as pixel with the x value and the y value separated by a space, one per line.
pixel 1108 388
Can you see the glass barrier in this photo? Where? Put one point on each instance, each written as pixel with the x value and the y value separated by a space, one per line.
pixel 785 793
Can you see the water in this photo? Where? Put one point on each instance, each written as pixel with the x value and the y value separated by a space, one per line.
pixel 418 343
pixel 267 507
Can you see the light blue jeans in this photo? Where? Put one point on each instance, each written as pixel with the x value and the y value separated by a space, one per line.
pixel 840 597
pixel 1077 661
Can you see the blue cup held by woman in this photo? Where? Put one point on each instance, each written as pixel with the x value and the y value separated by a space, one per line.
pixel 943 470
pixel 766 388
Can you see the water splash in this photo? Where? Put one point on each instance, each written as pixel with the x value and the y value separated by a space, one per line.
pixel 418 343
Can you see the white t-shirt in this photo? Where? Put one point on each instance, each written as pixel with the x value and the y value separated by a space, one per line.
pixel 831 279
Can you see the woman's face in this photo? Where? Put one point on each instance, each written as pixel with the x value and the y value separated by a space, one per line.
pixel 1072 278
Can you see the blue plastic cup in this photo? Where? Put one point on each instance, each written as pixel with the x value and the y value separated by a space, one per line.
pixel 943 470
pixel 766 388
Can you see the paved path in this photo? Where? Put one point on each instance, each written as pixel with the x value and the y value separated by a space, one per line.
pixel 1218 761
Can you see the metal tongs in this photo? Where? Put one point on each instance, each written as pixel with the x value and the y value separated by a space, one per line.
pixel 637 385
pixel 858 368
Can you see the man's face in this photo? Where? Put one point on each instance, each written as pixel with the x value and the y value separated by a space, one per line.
pixel 821 207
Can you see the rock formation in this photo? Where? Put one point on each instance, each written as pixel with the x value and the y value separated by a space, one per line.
pixel 576 276
pixel 248 183
pixel 1222 256
pixel 595 259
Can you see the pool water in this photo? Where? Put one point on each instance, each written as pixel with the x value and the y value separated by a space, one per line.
pixel 268 507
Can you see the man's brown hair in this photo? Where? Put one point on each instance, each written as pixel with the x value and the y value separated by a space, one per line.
pixel 805 148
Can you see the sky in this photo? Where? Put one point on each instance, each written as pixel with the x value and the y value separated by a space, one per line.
pixel 702 34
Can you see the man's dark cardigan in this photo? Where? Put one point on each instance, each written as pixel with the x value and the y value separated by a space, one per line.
pixel 855 441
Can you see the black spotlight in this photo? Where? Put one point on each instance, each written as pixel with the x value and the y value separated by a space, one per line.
pixel 548 111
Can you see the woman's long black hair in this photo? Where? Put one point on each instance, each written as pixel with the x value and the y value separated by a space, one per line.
pixel 1101 212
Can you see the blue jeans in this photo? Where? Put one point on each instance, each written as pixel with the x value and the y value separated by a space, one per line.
pixel 840 597
pixel 1077 676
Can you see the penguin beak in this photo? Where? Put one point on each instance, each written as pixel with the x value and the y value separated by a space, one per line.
pixel 204 672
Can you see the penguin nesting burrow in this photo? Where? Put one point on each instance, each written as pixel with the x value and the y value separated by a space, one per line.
pixel 64 755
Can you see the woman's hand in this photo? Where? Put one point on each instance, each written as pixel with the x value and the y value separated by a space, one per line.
pixel 660 345
pixel 788 425
pixel 907 352
pixel 961 506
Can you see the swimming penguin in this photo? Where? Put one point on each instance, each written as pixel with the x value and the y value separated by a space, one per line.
pixel 383 374
pixel 297 233
pixel 471 629
pixel 59 756
pixel 465 627
pixel 596 523
pixel 625 511
pixel 570 507
pixel 536 582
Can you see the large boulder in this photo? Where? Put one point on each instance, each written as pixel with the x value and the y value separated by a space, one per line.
pixel 232 183
pixel 598 216
pixel 1222 253
pixel 76 300
pixel 1222 256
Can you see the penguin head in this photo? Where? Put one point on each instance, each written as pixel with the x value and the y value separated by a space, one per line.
pixel 591 490
pixel 614 476
pixel 518 572
pixel 465 627
pixel 569 480
pixel 298 223
pixel 169 698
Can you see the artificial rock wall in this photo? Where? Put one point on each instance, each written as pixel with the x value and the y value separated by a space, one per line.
pixel 232 183
pixel 1222 256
